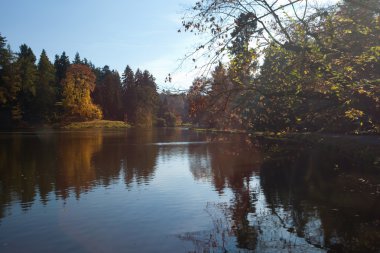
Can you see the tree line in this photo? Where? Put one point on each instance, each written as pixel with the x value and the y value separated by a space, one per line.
pixel 43 92
pixel 314 70
pixel 317 69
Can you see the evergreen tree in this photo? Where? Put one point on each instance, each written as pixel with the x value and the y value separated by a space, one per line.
pixel 108 93
pixel 10 86
pixel 140 97
pixel 128 95
pixel 128 79
pixel 77 59
pixel 61 65
pixel 45 98
pixel 28 74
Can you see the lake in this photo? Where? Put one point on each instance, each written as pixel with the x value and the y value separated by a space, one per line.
pixel 177 190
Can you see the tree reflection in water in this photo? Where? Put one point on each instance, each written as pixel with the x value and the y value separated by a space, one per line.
pixel 298 199
pixel 34 165
pixel 284 196
pixel 227 163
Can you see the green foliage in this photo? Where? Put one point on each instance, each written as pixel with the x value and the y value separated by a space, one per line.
pixel 33 94
pixel 331 86
pixel 45 93
pixel 140 96
pixel 10 86
pixel 105 124
pixel 61 64
pixel 77 59
pixel 320 73
pixel 28 74
pixel 108 94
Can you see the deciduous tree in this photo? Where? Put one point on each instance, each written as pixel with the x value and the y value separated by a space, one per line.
pixel 77 88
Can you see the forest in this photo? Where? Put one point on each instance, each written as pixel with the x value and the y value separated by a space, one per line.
pixel 314 71
pixel 44 93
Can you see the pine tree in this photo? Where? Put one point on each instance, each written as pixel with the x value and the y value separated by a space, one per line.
pixel 28 73
pixel 77 59
pixel 140 96
pixel 10 86
pixel 61 65
pixel 108 93
pixel 45 97
pixel 128 95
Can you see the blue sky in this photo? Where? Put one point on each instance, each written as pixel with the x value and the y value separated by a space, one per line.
pixel 140 33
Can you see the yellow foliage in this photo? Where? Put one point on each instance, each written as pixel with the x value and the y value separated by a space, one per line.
pixel 354 114
pixel 78 84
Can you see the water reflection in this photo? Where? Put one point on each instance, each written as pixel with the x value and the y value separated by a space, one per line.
pixel 324 187
pixel 281 196
pixel 299 199
pixel 34 165
pixel 228 165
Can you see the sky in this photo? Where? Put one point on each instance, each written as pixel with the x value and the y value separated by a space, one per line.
pixel 139 33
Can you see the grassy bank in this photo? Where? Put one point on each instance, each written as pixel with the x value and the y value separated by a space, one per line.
pixel 106 124
pixel 214 130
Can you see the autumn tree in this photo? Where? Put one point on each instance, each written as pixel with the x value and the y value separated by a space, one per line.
pixel 239 31
pixel 320 68
pixel 32 94
pixel 77 87
pixel 215 102
pixel 197 97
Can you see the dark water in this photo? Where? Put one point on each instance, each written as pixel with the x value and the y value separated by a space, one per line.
pixel 173 190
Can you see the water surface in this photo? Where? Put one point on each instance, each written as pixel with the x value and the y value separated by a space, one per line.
pixel 175 190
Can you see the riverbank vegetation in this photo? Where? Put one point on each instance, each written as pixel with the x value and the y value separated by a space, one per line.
pixel 292 67
pixel 274 67
pixel 102 124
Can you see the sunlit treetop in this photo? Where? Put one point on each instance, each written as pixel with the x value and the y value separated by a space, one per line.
pixel 230 27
